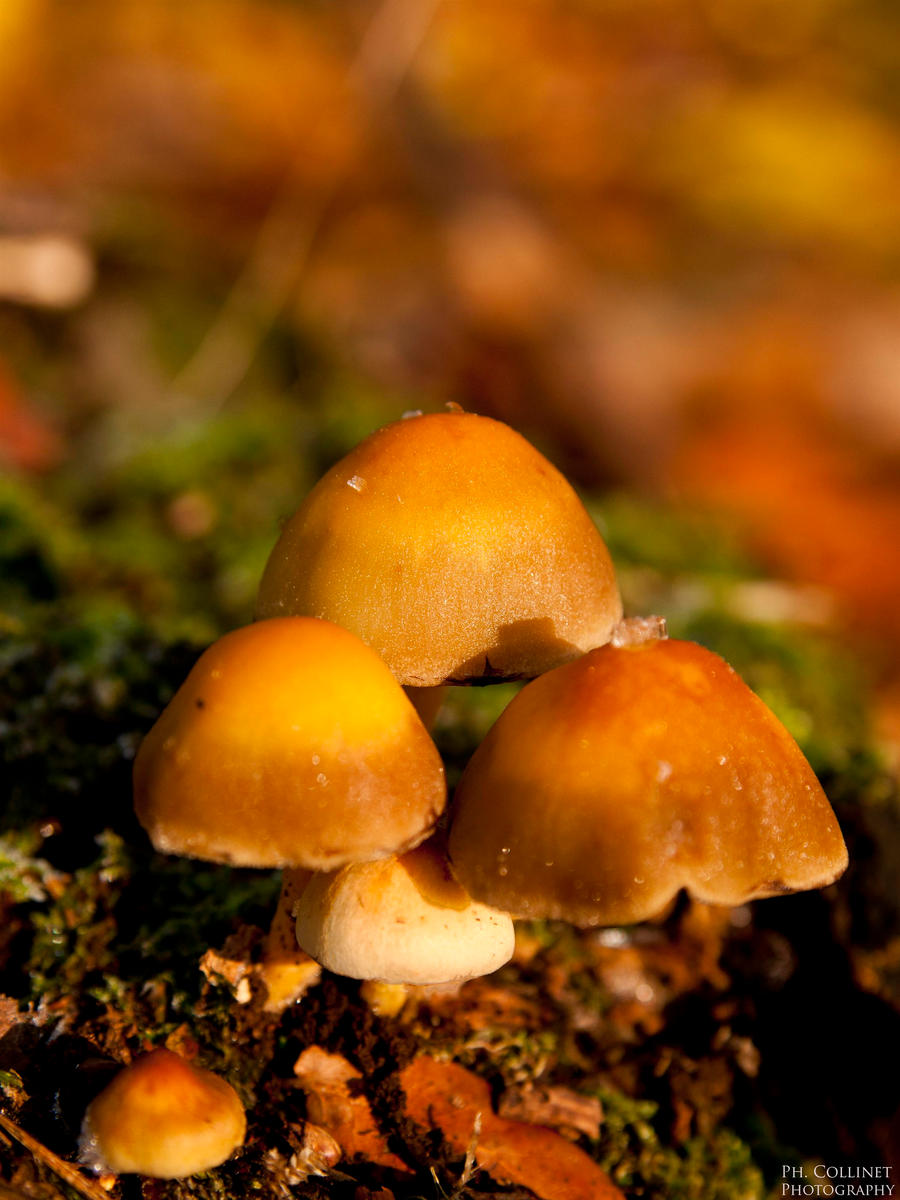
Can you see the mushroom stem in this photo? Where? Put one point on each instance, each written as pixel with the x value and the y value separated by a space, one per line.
pixel 286 970
pixel 427 702
pixel 384 999
pixel 635 631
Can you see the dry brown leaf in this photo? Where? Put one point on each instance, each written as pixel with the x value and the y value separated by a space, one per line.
pixel 10 1015
pixel 558 1107
pixel 325 1079
pixel 482 1005
pixel 450 1097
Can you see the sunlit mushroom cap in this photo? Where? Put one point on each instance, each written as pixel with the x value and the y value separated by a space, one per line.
pixel 401 920
pixel 289 744
pixel 609 784
pixel 453 548
pixel 161 1116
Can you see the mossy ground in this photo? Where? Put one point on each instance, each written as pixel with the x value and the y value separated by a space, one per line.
pixel 719 1051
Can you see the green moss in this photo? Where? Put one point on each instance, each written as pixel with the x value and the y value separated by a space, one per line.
pixel 38 549
pixel 25 877
pixel 717 1167
pixel 77 697
pixel 670 541
pixel 810 681
pixel 465 716
pixel 75 936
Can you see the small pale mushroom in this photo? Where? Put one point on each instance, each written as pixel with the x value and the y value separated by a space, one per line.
pixel 614 781
pixel 402 920
pixel 453 548
pixel 163 1117
pixel 290 744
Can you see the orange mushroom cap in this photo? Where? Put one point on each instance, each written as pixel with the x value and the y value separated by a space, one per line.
pixel 163 1117
pixel 453 548
pixel 612 782
pixel 289 744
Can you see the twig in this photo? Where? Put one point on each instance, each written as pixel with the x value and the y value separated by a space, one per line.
pixel 286 236
pixel 71 1175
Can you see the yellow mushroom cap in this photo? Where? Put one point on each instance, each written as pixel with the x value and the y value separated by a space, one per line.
pixel 453 548
pixel 609 784
pixel 401 920
pixel 289 744
pixel 163 1117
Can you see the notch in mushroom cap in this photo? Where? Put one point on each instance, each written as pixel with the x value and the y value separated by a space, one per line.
pixel 453 548
pixel 163 1117
pixel 289 744
pixel 402 920
pixel 612 782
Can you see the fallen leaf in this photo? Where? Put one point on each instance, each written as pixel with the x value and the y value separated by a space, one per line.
pixel 558 1107
pixel 482 1005
pixel 450 1097
pixel 325 1078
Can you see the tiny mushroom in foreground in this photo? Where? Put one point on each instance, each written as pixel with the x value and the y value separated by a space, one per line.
pixel 614 781
pixel 453 548
pixel 163 1117
pixel 290 744
pixel 401 920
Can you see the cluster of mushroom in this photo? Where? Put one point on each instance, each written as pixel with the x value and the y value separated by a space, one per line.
pixel 444 549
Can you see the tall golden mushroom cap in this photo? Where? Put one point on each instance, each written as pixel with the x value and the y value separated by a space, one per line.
pixel 289 744
pixel 162 1117
pixel 614 781
pixel 453 548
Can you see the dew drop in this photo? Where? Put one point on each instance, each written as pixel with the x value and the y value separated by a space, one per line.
pixel 315 760
pixel 357 483
pixel 663 771
pixel 411 412
pixel 638 879
pixel 321 779
pixel 503 871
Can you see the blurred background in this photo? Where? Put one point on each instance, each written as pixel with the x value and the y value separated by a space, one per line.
pixel 661 237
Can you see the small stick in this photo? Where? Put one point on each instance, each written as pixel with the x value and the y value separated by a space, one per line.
pixel 71 1175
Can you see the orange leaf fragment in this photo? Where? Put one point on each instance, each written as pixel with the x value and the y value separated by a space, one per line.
pixel 325 1078
pixel 450 1097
